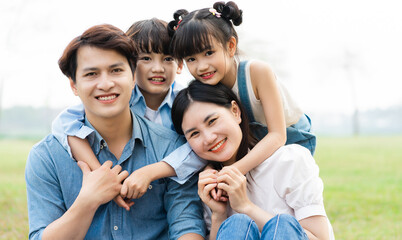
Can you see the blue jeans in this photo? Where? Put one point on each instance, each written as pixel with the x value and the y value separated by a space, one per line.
pixel 242 227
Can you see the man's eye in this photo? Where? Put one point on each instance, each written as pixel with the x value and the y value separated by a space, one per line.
pixel 117 70
pixel 89 74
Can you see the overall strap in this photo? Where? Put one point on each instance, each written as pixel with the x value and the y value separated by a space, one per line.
pixel 243 92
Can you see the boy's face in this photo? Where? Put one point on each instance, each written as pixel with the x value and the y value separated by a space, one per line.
pixel 155 73
pixel 104 82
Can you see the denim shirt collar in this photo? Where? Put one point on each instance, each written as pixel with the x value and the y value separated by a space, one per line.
pixel 97 142
pixel 137 97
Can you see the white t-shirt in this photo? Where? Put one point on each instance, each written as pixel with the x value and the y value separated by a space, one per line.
pixel 288 182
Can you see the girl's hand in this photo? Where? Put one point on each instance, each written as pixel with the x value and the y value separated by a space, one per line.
pixel 207 183
pixel 234 183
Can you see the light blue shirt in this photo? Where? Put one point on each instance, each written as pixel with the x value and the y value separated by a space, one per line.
pixel 166 211
pixel 184 161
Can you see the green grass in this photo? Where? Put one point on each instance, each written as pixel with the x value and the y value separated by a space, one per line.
pixel 362 195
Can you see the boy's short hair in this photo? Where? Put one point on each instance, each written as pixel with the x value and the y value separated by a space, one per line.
pixel 105 36
pixel 150 36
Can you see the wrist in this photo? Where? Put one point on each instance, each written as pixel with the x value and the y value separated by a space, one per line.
pixel 218 217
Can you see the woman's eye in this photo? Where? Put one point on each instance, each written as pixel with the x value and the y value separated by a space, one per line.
pixel 193 134
pixel 212 121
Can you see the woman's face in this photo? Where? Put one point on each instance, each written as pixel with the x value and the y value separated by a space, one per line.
pixel 213 131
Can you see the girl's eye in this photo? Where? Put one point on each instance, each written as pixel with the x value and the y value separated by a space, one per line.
pixel 190 59
pixel 145 58
pixel 209 53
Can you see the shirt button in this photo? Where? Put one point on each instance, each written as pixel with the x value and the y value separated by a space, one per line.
pixel 116 228
pixel 150 187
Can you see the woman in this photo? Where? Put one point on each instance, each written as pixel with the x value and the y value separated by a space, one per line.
pixel 281 198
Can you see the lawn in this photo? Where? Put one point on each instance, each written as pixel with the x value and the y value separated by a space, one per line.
pixel 362 177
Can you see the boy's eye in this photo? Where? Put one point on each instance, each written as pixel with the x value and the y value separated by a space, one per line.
pixel 169 59
pixel 145 58
pixel 191 59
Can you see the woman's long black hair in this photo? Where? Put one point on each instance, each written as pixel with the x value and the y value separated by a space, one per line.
pixel 217 94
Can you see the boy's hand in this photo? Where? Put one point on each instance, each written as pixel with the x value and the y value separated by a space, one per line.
pixel 124 203
pixel 136 185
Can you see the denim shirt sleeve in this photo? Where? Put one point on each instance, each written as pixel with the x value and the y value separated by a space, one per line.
pixel 185 163
pixel 45 200
pixel 70 122
pixel 184 209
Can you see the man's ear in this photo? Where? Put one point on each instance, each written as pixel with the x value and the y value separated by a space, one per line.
pixel 179 66
pixel 235 109
pixel 232 46
pixel 72 85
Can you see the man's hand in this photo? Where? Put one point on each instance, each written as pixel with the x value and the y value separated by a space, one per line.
pixel 103 184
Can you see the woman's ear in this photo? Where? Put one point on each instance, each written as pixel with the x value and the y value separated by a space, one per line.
pixel 235 109
pixel 232 46
pixel 72 85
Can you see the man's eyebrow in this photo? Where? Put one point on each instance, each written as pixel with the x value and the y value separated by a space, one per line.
pixel 89 69
pixel 205 120
pixel 116 65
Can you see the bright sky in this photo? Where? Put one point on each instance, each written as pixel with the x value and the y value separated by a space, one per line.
pixel 332 55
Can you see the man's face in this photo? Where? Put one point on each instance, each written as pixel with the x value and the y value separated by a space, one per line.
pixel 104 82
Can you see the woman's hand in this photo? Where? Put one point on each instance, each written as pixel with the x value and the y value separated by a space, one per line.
pixel 234 183
pixel 207 182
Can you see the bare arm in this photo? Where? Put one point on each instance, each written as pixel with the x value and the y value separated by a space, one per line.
pixel 98 187
pixel 191 236
pixel 82 152
pixel 316 227
pixel 266 90
pixel 137 183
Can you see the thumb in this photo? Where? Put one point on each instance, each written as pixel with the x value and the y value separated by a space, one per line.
pixel 84 167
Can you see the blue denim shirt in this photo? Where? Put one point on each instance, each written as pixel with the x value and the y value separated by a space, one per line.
pixel 166 211
pixel 184 161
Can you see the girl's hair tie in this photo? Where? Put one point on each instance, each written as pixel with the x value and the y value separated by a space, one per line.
pixel 214 12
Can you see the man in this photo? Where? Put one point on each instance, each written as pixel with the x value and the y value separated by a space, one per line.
pixel 68 201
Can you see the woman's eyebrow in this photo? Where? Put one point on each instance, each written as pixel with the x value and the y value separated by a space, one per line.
pixel 205 120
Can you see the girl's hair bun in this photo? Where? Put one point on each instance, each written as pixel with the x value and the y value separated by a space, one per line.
pixel 178 16
pixel 230 11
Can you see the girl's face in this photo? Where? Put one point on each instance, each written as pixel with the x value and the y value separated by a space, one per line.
pixel 155 73
pixel 215 64
pixel 213 131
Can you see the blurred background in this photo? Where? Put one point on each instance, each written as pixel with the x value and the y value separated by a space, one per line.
pixel 340 59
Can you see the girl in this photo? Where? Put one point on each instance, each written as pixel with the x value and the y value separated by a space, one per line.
pixel 207 41
pixel 214 124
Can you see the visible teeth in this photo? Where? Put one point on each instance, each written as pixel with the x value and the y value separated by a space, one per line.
pixel 107 98
pixel 219 145
pixel 207 74
pixel 157 79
